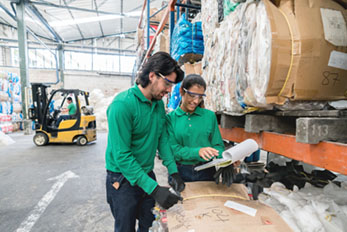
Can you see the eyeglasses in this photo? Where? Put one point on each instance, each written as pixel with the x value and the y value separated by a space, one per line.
pixel 168 83
pixel 195 95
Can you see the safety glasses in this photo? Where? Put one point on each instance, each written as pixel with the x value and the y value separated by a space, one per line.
pixel 195 95
pixel 168 82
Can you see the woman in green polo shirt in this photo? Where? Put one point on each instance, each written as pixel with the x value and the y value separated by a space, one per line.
pixel 193 131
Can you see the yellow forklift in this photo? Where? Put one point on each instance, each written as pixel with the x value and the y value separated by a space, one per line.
pixel 79 128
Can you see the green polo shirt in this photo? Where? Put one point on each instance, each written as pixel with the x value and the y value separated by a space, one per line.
pixel 137 128
pixel 72 108
pixel 190 132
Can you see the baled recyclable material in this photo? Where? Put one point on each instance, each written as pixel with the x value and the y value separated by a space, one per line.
pixel 261 55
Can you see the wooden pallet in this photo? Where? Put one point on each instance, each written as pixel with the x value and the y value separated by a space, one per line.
pixel 189 57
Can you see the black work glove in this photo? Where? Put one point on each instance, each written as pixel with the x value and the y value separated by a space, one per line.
pixel 227 174
pixel 164 197
pixel 176 182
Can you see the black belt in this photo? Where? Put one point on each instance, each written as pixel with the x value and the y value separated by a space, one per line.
pixel 108 171
pixel 193 165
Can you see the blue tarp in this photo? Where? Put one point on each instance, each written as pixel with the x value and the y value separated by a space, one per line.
pixel 181 38
pixel 187 38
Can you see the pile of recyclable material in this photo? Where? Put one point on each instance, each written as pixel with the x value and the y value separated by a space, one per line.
pixel 10 102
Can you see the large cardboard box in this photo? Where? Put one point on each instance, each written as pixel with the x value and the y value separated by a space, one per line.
pixel 308 57
pixel 203 210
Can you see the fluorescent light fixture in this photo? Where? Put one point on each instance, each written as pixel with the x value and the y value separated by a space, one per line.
pixel 63 23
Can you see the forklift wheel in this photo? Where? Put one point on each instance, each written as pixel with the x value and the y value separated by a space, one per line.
pixel 40 139
pixel 81 140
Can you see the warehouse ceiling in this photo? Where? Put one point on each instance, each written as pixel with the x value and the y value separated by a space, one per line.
pixel 75 20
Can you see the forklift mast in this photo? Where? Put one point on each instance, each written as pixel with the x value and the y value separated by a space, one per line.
pixel 40 101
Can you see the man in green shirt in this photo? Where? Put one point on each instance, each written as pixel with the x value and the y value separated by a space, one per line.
pixel 71 110
pixel 136 122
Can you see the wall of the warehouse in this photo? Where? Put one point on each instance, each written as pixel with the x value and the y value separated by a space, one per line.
pixel 108 84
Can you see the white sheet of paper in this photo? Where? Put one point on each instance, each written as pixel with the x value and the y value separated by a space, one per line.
pixel 242 208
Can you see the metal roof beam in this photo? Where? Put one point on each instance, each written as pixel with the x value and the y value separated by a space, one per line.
pixel 101 4
pixel 8 12
pixel 44 22
pixel 15 19
pixel 131 45
pixel 54 44
pixel 5 22
pixel 97 13
pixel 79 29
pixel 98 37
pixel 44 3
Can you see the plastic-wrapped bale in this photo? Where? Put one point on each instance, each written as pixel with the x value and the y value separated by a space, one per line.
pixel 217 66
pixel 230 6
pixel 209 16
pixel 270 55
pixel 182 38
pixel 292 62
pixel 318 46
pixel 227 55
pixel 251 69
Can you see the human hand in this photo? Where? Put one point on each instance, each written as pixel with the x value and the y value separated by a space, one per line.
pixel 176 182
pixel 208 153
pixel 164 197
pixel 236 163
pixel 227 174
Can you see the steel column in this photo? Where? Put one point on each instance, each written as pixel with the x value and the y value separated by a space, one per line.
pixel 178 9
pixel 172 26
pixel 23 61
pixel 61 63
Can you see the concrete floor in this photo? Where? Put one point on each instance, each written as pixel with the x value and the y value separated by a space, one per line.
pixel 73 204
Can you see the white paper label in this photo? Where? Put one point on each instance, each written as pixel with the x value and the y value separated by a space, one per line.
pixel 338 60
pixel 242 208
pixel 335 29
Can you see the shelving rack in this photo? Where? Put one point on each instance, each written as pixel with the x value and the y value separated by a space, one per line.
pixel 325 154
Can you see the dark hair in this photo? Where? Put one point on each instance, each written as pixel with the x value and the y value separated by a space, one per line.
pixel 160 62
pixel 193 79
pixel 69 99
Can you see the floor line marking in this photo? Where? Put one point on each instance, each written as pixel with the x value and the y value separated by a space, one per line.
pixel 41 206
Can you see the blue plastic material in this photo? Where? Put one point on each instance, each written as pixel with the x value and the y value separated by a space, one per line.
pixel 175 97
pixel 198 39
pixel 182 38
pixel 253 158
pixel 186 38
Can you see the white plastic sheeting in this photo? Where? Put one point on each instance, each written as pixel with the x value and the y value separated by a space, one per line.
pixel 310 209
pixel 100 103
pixel 234 75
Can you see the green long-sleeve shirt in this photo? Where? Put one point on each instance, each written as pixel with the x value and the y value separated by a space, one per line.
pixel 190 132
pixel 137 129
